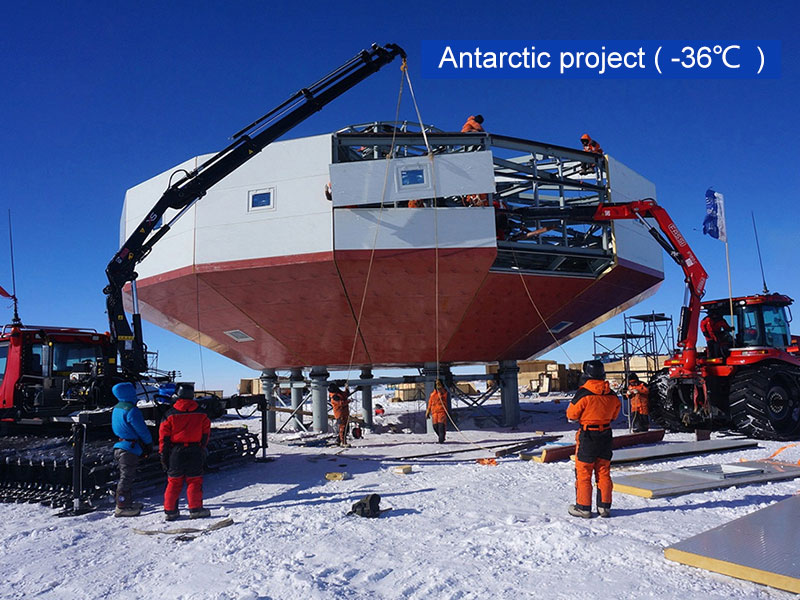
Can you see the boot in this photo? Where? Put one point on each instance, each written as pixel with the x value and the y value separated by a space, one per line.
pixel 604 512
pixel 576 511
pixel 171 515
pixel 127 511
pixel 199 513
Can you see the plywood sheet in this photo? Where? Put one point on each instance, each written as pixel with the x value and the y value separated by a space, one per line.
pixel 693 479
pixel 758 547
pixel 564 452
pixel 673 449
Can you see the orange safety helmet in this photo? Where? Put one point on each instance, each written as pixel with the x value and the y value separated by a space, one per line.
pixel 586 137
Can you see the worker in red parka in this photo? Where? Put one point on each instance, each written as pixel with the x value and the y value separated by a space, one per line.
pixel 638 392
pixel 717 333
pixel 340 403
pixel 474 123
pixel 594 407
pixel 183 437
pixel 437 409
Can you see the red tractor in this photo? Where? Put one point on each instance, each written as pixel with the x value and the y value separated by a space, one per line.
pixel 753 387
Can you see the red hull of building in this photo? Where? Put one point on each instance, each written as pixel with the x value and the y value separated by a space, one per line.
pixel 302 310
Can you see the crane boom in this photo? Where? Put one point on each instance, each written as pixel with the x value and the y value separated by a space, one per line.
pixel 669 238
pixel 193 185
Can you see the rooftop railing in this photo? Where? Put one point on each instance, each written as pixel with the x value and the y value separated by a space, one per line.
pixel 528 174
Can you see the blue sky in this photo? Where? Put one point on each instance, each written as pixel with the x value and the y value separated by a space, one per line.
pixel 97 97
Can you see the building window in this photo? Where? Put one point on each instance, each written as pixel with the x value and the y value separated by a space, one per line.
pixel 261 200
pixel 412 177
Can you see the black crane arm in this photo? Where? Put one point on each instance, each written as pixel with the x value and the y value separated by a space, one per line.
pixel 193 185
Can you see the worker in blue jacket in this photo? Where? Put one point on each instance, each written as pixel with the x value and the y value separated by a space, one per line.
pixel 134 442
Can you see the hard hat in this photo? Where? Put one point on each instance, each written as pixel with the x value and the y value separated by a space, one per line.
pixel 594 369
pixel 633 377
pixel 586 137
pixel 479 118
pixel 185 391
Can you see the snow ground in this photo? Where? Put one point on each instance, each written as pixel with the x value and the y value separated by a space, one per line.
pixel 457 529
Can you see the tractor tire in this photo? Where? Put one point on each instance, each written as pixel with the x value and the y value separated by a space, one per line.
pixel 765 402
pixel 662 407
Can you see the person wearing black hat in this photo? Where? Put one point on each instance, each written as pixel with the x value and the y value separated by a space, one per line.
pixel 474 124
pixel 340 403
pixel 594 407
pixel 637 393
pixel 183 437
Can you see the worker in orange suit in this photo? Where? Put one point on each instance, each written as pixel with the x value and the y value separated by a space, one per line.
pixel 437 409
pixel 340 402
pixel 474 123
pixel 590 145
pixel 594 407
pixel 637 392
pixel 717 333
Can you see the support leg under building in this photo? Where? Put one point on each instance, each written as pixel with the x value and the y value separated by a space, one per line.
pixel 298 386
pixel 509 391
pixel 319 398
pixel 366 398
pixel 268 381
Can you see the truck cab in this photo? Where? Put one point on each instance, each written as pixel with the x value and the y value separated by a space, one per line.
pixel 51 371
pixel 760 326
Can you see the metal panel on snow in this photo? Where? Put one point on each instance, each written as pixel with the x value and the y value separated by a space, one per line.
pixel 679 449
pixel 415 178
pixel 686 481
pixel 762 547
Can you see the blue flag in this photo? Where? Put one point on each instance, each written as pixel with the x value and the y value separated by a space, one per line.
pixel 714 223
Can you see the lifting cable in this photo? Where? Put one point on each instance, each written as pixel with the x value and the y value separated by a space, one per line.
pixel 435 219
pixel 199 344
pixel 436 254
pixel 538 312
pixel 389 156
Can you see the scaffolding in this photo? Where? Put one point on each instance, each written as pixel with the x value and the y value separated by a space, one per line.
pixel 650 337
pixel 528 174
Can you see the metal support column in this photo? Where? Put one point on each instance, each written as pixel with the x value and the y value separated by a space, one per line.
pixel 268 380
pixel 430 372
pixel 366 398
pixel 298 385
pixel 319 398
pixel 509 391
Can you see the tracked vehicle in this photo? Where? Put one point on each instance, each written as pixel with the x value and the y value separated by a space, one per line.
pixel 755 388
pixel 53 375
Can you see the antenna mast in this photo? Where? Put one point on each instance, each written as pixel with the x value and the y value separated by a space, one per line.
pixel 758 247
pixel 15 320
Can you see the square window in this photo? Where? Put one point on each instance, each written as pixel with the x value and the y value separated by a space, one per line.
pixel 261 199
pixel 412 177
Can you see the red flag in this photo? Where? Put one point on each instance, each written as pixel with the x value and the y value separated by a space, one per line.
pixel 4 293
